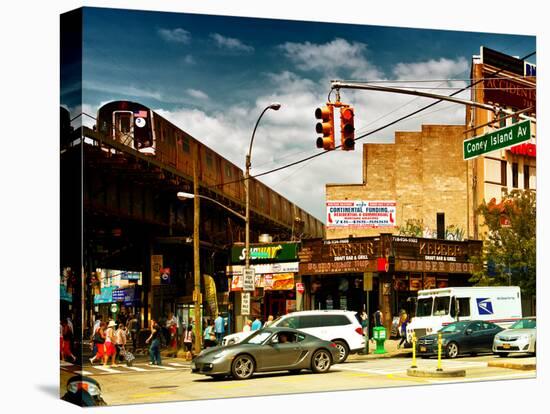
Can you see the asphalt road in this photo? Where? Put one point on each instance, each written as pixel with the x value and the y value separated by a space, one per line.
pixel 174 381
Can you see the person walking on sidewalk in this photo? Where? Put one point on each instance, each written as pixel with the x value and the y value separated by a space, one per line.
pixel 154 349
pixel 66 341
pixel 133 330
pixel 257 324
pixel 403 322
pixel 209 335
pixel 121 336
pixel 173 336
pixel 269 321
pixel 188 339
pixel 99 343
pixel 219 328
pixel 110 350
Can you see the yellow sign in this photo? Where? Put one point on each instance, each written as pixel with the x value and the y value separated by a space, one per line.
pixel 156 267
pixel 367 281
pixel 210 293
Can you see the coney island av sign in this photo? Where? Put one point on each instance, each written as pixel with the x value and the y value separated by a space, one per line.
pixel 502 138
pixel 360 213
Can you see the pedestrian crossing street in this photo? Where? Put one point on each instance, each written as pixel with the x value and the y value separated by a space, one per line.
pixel 91 370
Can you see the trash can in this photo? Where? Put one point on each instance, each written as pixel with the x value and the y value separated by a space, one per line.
pixel 379 336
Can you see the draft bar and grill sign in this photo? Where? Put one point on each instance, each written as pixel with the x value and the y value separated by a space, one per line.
pixel 502 138
pixel 360 213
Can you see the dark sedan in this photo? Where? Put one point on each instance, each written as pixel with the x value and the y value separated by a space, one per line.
pixel 270 349
pixel 464 337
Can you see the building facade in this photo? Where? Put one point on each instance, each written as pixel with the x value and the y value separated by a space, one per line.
pixel 509 83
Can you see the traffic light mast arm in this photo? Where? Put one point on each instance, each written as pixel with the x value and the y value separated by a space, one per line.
pixel 354 85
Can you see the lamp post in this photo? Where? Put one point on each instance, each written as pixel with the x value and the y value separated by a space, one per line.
pixel 196 246
pixel 275 106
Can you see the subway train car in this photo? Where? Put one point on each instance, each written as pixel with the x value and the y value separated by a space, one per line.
pixel 142 129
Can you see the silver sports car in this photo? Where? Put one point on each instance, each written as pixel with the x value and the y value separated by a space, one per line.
pixel 269 349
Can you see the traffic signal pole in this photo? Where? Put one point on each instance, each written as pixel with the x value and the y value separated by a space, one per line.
pixel 337 85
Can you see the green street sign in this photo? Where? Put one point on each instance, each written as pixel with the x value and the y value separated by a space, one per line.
pixel 502 138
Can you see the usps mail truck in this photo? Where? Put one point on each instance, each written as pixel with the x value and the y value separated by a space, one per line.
pixel 436 308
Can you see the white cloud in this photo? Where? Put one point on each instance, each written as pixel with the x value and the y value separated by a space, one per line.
pixel 230 43
pixel 177 35
pixel 332 57
pixel 432 69
pixel 197 94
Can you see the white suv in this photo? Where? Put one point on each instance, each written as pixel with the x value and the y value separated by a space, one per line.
pixel 339 326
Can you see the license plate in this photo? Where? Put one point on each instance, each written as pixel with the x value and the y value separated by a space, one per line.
pixel 506 346
pixel 422 349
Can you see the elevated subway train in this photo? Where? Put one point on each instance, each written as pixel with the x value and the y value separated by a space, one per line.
pixel 144 130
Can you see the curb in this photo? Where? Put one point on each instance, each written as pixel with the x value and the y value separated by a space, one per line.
pixel 513 365
pixel 452 373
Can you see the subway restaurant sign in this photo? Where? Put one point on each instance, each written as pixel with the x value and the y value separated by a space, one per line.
pixel 270 252
pixel 502 138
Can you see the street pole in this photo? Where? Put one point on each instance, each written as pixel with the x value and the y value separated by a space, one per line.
pixel 275 107
pixel 196 253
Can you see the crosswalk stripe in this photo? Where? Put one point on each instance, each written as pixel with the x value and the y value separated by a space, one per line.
pixel 109 370
pixel 177 364
pixel 65 364
pixel 164 367
pixel 137 369
pixel 83 372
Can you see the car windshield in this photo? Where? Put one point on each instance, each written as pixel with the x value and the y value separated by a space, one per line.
pixel 525 324
pixel 454 327
pixel 257 338
pixel 424 307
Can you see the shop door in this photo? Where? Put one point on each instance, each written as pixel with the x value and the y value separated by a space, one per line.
pixel 275 307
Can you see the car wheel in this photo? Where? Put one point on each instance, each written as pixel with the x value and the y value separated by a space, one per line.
pixel 294 371
pixel 343 351
pixel 451 350
pixel 503 354
pixel 242 367
pixel 320 361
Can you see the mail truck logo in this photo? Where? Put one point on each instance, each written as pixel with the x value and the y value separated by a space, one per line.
pixel 484 306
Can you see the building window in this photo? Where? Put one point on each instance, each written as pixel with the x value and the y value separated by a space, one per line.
pixel 503 181
pixel 502 120
pixel 515 175
pixel 526 177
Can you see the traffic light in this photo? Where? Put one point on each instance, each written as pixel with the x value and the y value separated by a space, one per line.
pixel 347 129
pixel 325 127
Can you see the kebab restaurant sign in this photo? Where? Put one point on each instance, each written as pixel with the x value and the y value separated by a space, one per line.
pixel 360 213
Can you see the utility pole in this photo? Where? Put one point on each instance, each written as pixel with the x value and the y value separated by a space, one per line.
pixel 196 253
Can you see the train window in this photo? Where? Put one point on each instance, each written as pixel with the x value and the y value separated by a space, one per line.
pixel 209 160
pixel 228 172
pixel 185 144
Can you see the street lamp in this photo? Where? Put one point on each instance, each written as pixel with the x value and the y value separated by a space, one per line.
pixel 196 249
pixel 185 196
pixel 275 106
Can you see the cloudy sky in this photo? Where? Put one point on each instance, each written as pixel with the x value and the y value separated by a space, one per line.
pixel 212 76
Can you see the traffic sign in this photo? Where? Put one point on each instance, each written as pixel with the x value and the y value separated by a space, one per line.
pixel 245 303
pixel 249 276
pixel 300 288
pixel 502 138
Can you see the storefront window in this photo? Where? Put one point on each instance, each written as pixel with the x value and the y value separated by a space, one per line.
pixel 424 307
pixel 441 305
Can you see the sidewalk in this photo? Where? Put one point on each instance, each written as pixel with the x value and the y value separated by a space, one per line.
pixel 390 346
